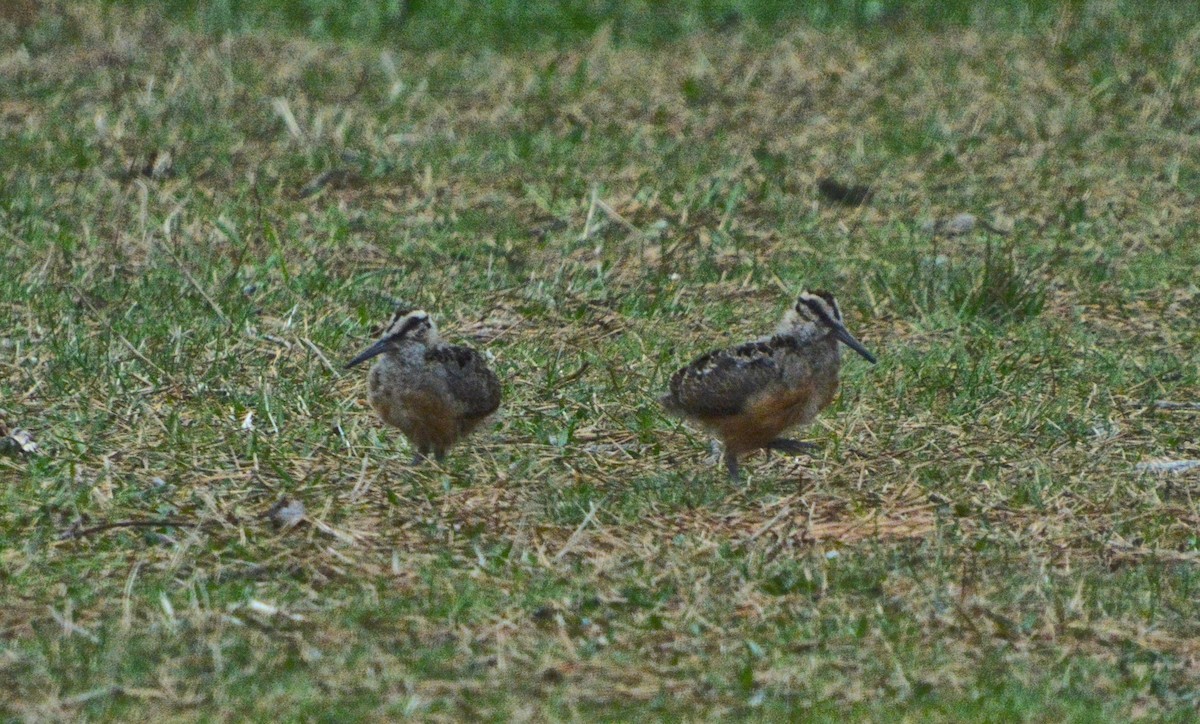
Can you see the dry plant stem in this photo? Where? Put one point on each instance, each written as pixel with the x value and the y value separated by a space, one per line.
pixel 92 530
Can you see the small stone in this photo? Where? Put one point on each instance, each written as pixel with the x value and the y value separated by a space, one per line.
pixel 286 513
pixel 1168 466
pixel 958 225
pixel 18 441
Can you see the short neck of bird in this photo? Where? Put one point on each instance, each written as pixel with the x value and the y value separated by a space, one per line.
pixel 791 323
pixel 408 349
pixel 794 325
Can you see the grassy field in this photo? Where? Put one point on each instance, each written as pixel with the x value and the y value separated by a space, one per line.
pixel 200 228
pixel 516 25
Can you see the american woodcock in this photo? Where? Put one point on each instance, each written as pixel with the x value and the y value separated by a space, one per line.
pixel 748 395
pixel 435 393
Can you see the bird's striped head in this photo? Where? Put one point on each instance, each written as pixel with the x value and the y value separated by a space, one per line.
pixel 406 325
pixel 821 309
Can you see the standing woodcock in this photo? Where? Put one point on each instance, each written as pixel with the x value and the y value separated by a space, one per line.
pixel 435 393
pixel 748 395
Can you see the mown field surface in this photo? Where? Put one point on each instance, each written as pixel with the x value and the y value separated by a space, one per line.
pixel 199 228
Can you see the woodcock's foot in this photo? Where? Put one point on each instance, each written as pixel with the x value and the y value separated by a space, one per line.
pixel 792 447
pixel 783 445
pixel 422 455
pixel 731 464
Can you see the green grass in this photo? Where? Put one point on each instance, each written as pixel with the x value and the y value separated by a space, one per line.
pixel 514 25
pixel 973 540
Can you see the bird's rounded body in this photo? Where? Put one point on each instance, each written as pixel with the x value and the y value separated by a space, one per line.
pixel 750 394
pixel 434 393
